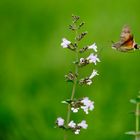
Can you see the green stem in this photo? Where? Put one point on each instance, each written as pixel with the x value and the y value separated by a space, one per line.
pixel 75 80
pixel 137 122
pixel 73 90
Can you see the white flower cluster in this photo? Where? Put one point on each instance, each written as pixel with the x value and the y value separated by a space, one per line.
pixel 85 104
pixel 72 125
pixel 76 127
pixel 91 58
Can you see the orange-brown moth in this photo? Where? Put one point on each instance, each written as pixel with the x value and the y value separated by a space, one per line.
pixel 127 42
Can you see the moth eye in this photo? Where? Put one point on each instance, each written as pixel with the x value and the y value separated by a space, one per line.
pixel 136 46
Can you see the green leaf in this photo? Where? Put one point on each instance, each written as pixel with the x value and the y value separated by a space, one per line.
pixel 133 101
pixel 130 133
pixel 138 99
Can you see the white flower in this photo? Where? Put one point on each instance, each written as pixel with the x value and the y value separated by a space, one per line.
pixel 87 105
pixel 94 73
pixel 93 58
pixel 77 131
pixel 93 46
pixel 83 124
pixel 65 43
pixel 60 121
pixel 72 124
pixel 74 110
pixel 85 109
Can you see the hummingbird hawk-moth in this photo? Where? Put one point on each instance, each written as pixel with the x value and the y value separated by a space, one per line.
pixel 127 42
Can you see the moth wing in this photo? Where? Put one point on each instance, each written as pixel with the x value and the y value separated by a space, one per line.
pixel 126 37
pixel 125 34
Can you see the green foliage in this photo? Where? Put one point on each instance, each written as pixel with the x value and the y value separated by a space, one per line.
pixel 32 65
pixel 135 101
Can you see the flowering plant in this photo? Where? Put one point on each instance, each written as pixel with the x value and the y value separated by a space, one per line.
pixel 136 132
pixel 84 103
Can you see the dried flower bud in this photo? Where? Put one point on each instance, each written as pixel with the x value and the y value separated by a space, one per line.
pixel 85 81
pixel 81 24
pixel 72 27
pixel 72 47
pixel 83 49
pixel 75 18
pixel 83 62
pixel 75 105
pixel 70 77
pixel 81 36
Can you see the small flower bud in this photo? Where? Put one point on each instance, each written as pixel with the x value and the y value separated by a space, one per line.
pixel 68 101
pixel 75 18
pixel 72 27
pixel 77 131
pixel 83 62
pixel 83 49
pixel 74 110
pixel 81 36
pixel 70 77
pixel 81 24
pixel 85 81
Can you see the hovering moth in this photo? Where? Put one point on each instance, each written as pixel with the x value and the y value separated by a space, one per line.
pixel 127 42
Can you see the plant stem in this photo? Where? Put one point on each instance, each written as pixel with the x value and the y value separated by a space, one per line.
pixel 72 96
pixel 137 122
pixel 73 89
pixel 75 80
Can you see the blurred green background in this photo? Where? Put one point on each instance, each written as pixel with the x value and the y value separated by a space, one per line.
pixel 33 65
